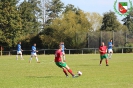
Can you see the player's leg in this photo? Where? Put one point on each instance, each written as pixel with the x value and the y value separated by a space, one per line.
pixel 31 57
pixel 62 65
pixel 69 70
pixel 106 59
pixel 101 59
pixel 65 71
pixel 111 52
pixel 36 58
pixel 108 53
pixel 21 55
pixel 17 55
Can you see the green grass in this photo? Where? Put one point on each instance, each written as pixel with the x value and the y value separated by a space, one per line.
pixel 21 74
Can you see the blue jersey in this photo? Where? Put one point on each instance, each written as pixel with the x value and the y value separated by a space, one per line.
pixel 33 49
pixel 109 45
pixel 18 47
pixel 63 47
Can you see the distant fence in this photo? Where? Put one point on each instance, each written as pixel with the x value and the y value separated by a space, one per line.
pixel 120 38
pixel 69 51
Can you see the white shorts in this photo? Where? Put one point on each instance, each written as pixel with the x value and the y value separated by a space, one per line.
pixel 110 50
pixel 33 54
pixel 19 52
pixel 63 52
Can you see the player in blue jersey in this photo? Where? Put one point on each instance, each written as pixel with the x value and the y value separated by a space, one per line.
pixel 19 51
pixel 33 53
pixel 63 50
pixel 110 50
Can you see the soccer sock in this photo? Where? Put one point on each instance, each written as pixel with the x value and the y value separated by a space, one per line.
pixel 110 55
pixel 17 57
pixel 100 61
pixel 36 59
pixel 21 56
pixel 64 70
pixel 106 61
pixel 70 71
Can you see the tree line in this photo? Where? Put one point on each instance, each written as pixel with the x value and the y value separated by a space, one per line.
pixel 47 24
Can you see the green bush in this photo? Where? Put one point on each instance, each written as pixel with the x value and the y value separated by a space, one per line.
pixel 128 48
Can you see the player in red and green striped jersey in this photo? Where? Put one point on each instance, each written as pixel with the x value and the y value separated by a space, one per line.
pixel 60 63
pixel 103 54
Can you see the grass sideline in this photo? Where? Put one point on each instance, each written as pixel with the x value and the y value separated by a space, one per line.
pixel 21 74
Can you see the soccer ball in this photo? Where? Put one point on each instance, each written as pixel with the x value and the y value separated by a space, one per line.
pixel 79 73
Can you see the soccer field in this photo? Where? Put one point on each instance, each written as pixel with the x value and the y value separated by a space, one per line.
pixel 21 74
